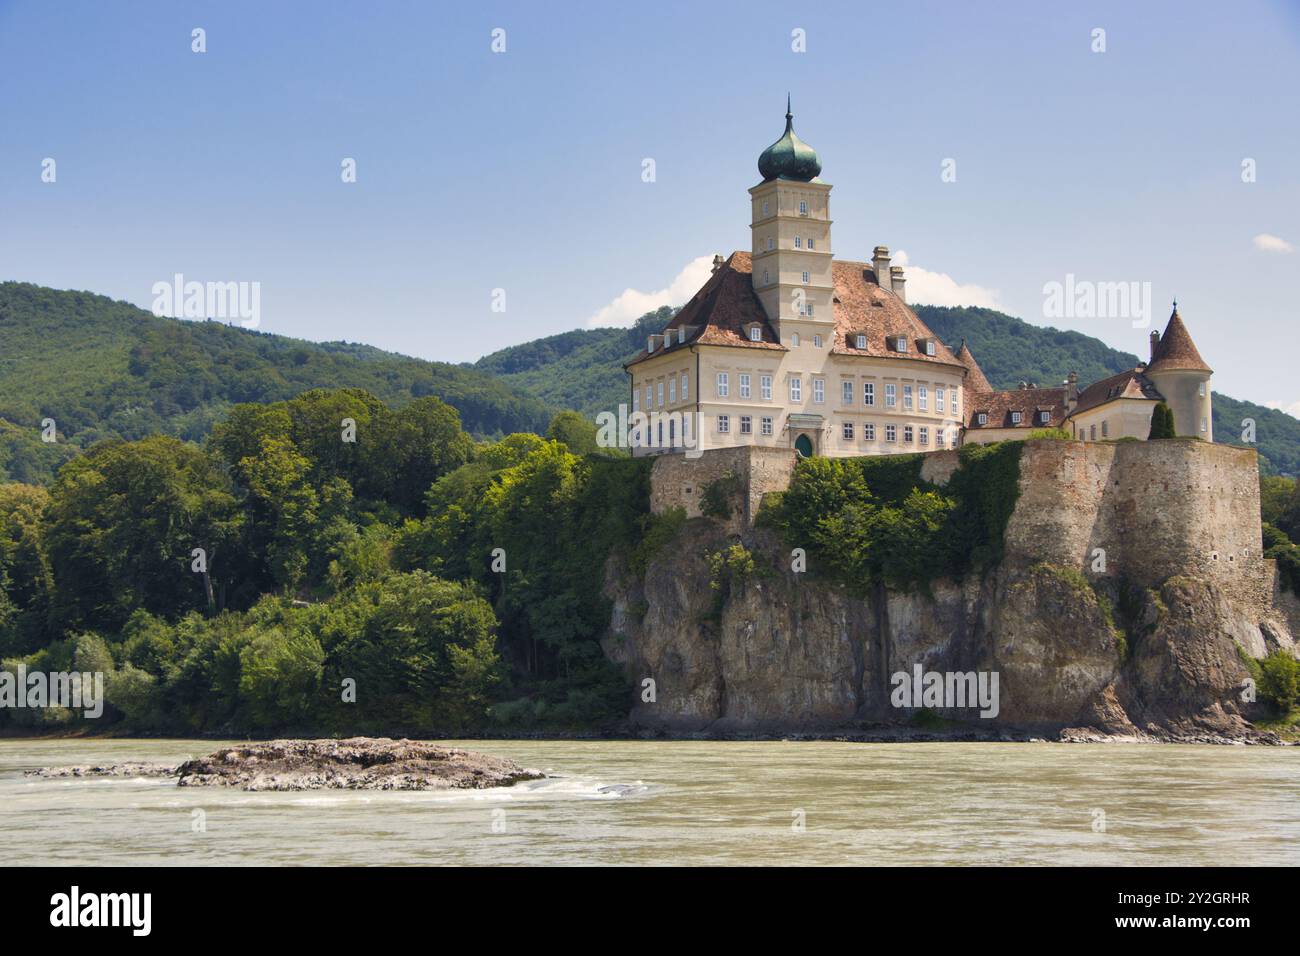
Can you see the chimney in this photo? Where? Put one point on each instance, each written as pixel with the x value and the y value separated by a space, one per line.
pixel 897 283
pixel 717 262
pixel 1071 391
pixel 1155 342
pixel 880 263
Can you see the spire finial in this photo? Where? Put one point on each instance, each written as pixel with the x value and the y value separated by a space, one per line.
pixel 1175 303
pixel 788 114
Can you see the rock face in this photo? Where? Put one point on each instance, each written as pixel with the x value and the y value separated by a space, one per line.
pixel 359 763
pixel 1148 643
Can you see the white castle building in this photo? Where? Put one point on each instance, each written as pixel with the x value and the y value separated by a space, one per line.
pixel 787 346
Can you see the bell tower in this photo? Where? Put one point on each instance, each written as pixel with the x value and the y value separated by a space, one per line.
pixel 790 226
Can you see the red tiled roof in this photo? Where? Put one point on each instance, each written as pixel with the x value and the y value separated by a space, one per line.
pixel 1175 350
pixel 1130 384
pixel 1030 402
pixel 724 308
pixel 975 380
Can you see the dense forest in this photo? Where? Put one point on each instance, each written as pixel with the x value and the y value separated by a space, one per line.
pixel 327 563
pixel 104 369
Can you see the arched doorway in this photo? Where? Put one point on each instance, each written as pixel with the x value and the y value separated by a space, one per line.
pixel 803 445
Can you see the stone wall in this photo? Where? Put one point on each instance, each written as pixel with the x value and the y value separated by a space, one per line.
pixel 678 481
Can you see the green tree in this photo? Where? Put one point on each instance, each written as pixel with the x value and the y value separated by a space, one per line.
pixel 124 521
pixel 573 431
pixel 1162 422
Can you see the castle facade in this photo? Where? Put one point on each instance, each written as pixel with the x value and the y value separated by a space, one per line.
pixel 786 346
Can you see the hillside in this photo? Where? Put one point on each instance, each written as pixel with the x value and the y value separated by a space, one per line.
pixel 582 369
pixel 102 369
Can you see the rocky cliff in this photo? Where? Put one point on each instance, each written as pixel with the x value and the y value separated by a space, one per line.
pixel 1130 588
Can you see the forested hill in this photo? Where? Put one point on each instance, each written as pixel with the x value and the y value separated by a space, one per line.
pixel 582 369
pixel 102 368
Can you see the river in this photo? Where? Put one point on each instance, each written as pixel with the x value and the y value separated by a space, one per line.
pixel 688 802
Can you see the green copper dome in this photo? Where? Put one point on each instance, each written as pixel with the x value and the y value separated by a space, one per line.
pixel 789 157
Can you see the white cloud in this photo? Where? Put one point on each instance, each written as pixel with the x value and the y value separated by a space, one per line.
pixel 633 303
pixel 1266 243
pixel 939 288
pixel 1292 408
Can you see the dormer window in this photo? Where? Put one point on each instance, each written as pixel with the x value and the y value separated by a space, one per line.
pixel 650 344
pixel 860 342
pixel 982 418
pixel 1044 417
pixel 929 346
pixel 681 335
pixel 1015 418
pixel 901 343
pixel 755 334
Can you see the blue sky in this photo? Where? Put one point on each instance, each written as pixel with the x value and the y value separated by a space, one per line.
pixel 522 170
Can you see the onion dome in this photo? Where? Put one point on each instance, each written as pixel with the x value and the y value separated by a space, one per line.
pixel 789 157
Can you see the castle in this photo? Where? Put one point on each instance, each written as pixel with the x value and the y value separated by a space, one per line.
pixel 787 347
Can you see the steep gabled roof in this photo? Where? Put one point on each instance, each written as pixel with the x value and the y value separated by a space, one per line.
pixel 721 313
pixel 975 380
pixel 726 306
pixel 1176 350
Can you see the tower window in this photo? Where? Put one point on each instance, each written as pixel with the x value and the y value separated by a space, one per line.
pixel 798 242
pixel 810 312
pixel 1205 426
pixel 765 279
pixel 803 208
pixel 765 207
pixel 817 339
pixel 805 278
pixel 770 242
pixel 812 243
pixel 794 339
pixel 1200 389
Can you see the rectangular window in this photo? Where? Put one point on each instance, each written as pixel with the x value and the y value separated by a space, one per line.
pixel 685 380
pixel 765 207
pixel 724 423
pixel 938 438
pixel 817 339
pixel 796 389
pixel 901 344
pixel 755 334
pixel 1092 432
pixel 869 431
pixel 744 386
pixel 923 398
pixel 982 418
pixel 724 386
pixel 636 400
pixel 891 396
pixel 798 242
pixel 861 341
pixel 765 387
pixel 672 390
pixel 746 425
pixel 1015 418
pixel 907 434
pixel 924 435
pixel 1200 389
pixel 847 431
pixel 765 424
pixel 805 278
pixel 1205 426
pixel 952 393
pixel 929 348
pixel 812 243
pixel 907 398
pixel 819 390
pixel 649 396
pixel 1105 429
pixel 810 312
pixel 868 393
pixel 891 433
pixel 803 208
pixel 938 399
pixel 661 394
pixel 846 392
